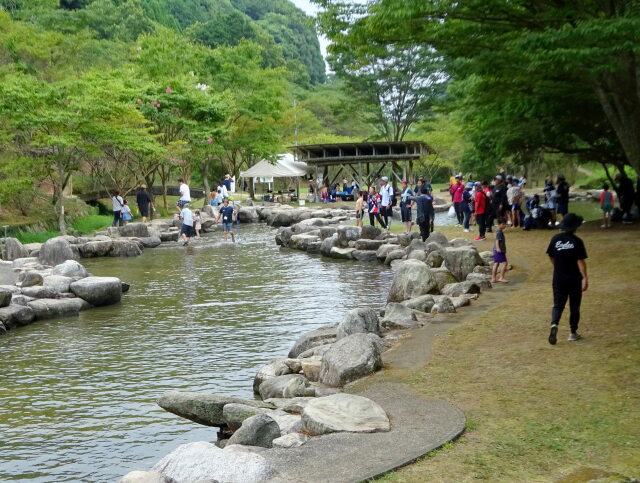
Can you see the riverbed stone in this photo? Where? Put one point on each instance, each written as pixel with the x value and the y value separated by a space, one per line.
pixel 327 231
pixel 206 409
pixel 317 351
pixel 290 385
pixel 234 414
pixel 443 277
pixel 54 308
pixel 14 249
pixel 248 214
pixel 366 244
pixel 413 278
pixel 397 254
pixel 126 248
pixel 321 336
pixel 259 430
pixel 29 279
pixel 385 249
pixel 347 234
pixel 16 315
pixel 70 268
pixel 342 253
pixel 311 368
pixel 291 440
pixel 358 321
pixel 487 258
pixel 32 247
pixel 193 462
pixel 25 262
pixel 461 261
pixel 328 244
pixel 5 297
pixel 40 292
pixel 435 258
pixel 277 367
pixel 369 232
pixel 416 245
pixel 460 288
pixel 364 255
pixel 483 280
pixel 170 235
pixel 283 236
pixel 344 413
pixel 98 291
pixel 145 477
pixel 438 238
pixel 136 229
pixel 280 218
pixel 399 316
pixel 443 305
pixel 150 241
pixel 55 251
pixel 421 304
pixel 300 242
pixel 417 255
pixel 293 405
pixel 94 249
pixel 349 359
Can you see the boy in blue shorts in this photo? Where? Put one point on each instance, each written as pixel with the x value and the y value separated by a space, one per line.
pixel 500 254
pixel 226 214
pixel 186 215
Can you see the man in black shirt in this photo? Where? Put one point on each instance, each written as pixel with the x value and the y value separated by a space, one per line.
pixel 568 256
pixel 498 202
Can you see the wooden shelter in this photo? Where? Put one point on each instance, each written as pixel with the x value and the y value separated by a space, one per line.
pixel 365 162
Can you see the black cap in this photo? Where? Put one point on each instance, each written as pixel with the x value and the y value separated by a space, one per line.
pixel 571 222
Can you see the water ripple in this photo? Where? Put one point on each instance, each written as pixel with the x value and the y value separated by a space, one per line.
pixel 77 395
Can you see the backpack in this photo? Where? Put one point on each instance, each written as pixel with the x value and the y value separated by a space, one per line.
pixel 394 200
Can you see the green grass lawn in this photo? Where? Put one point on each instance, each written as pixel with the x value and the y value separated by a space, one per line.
pixel 538 412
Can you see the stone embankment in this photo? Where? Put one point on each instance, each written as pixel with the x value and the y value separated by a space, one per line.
pixel 43 291
pixel 301 398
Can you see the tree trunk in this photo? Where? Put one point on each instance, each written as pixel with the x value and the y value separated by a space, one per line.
pixel 205 181
pixel 62 227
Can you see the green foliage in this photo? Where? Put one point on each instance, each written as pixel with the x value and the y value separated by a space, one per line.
pixel 36 236
pixel 91 223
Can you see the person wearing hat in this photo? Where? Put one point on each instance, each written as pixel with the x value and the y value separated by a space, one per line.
pixel 386 201
pixel 568 255
pixel 405 206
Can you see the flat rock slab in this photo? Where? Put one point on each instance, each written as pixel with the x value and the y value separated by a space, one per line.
pixel 418 425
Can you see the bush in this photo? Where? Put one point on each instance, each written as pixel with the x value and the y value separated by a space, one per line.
pixel 91 223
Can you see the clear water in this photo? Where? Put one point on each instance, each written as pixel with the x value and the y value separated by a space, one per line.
pixel 77 395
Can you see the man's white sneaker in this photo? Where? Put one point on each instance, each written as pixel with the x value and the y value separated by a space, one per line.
pixel 466 230
pixel 574 337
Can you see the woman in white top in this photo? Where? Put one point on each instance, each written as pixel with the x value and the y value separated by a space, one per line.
pixel 116 204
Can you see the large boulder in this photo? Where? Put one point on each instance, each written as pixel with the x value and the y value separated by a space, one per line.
pixel 443 305
pixel 150 241
pixel 126 248
pixel 321 336
pixel 385 250
pixel 290 385
pixel 412 279
pixel 358 321
pixel 54 308
pixel 365 255
pixel 397 254
pixel 435 258
pixel 344 412
pixel 138 230
pixel 399 316
pixel 421 304
pixel 258 430
pixel 248 214
pixel 482 279
pixel 16 316
pixel 370 232
pixel 342 253
pixel 55 251
pixel 202 408
pixel 14 249
pixel 96 248
pixel 283 236
pixel 366 244
pixel 443 277
pixel 40 292
pixel 487 258
pixel 350 358
pixel 203 461
pixel 347 234
pixel 416 245
pixel 24 262
pixel 29 279
pixel 277 367
pixel 460 288
pixel 70 268
pixel 438 238
pixel 234 414
pixel 5 297
pixel 461 261
pixel 327 231
pixel 280 218
pixel 146 477
pixel 328 244
pixel 291 440
pixel 419 255
pixel 98 291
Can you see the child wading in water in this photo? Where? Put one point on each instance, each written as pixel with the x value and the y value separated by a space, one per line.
pixel 500 254
pixel 359 209
pixel 226 213
pixel 197 218
pixel 606 205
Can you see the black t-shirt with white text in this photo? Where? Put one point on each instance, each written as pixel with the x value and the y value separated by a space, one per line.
pixel 566 249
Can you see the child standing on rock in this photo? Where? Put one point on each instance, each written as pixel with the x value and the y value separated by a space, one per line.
pixel 359 209
pixel 500 254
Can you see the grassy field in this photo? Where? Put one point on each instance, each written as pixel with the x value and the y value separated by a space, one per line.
pixel 538 412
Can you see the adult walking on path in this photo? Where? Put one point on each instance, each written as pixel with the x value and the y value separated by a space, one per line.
pixel 424 206
pixel 386 202
pixel 480 205
pixel 116 204
pixel 498 202
pixel 143 201
pixel 568 255
pixel 185 194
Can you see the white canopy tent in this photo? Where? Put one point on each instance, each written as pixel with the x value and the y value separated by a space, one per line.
pixel 284 167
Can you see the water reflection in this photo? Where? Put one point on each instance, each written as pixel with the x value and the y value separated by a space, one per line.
pixel 78 394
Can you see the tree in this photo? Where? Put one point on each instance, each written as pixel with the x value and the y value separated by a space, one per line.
pixel 589 48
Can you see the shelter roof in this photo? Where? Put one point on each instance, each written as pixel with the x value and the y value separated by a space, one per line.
pixel 362 152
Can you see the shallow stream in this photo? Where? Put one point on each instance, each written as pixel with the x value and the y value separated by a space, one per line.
pixel 77 394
